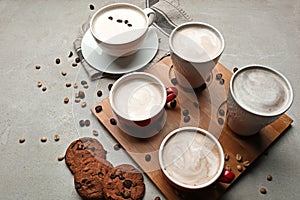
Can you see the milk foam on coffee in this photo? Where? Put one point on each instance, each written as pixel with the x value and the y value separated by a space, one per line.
pixel 197 43
pixel 262 91
pixel 138 98
pixel 119 24
pixel 191 158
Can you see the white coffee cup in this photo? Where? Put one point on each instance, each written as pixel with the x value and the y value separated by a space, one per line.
pixel 120 28
pixel 191 158
pixel 137 100
pixel 195 50
pixel 257 96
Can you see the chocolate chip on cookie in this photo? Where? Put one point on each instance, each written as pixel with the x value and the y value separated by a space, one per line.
pixel 124 182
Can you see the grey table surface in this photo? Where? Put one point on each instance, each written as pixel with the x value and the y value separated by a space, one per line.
pixel 37 32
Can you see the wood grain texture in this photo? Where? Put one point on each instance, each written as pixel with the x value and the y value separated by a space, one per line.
pixel 207 109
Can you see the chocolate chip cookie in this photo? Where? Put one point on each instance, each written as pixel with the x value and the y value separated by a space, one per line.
pixel 124 182
pixel 88 180
pixel 81 149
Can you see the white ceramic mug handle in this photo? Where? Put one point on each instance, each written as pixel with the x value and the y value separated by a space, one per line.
pixel 150 14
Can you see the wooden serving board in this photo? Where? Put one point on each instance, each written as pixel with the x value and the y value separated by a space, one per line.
pixel 207 109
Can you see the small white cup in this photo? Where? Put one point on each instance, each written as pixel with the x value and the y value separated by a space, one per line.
pixel 137 100
pixel 257 96
pixel 195 50
pixel 120 28
pixel 191 158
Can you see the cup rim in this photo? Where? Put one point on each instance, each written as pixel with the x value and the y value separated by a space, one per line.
pixel 202 24
pixel 275 72
pixel 201 131
pixel 114 5
pixel 141 74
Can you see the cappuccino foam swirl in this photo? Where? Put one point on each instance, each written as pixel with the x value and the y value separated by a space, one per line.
pixel 261 90
pixel 191 158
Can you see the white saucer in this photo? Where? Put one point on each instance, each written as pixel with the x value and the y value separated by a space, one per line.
pixel 99 60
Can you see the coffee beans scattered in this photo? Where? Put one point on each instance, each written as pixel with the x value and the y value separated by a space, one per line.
pixel 60 157
pixel 218 76
pixel 68 84
pixel 56 137
pixel 221 112
pixel 81 123
pixel 220 121
pixel 119 20
pixel 21 140
pixel 87 122
pixel 98 109
pixel 186 119
pixel 57 60
pixel 39 84
pixel 99 93
pixel 77 100
pixel 92 7
pixel 66 100
pixel 43 139
pixel 246 163
pixel 83 82
pixel 95 132
pixel 74 64
pixel 77 60
pixel 44 88
pixel 222 81
pixel 117 147
pixel 86 86
pixel 81 94
pixel 83 104
pixel 269 178
pixel 75 85
pixel 63 72
pixel 110 18
pixel 185 112
pixel 263 190
pixel 109 86
pixel 147 157
pixel 126 21
pixel 238 157
pixel 130 25
pixel 38 67
pixel 70 54
pixel 113 121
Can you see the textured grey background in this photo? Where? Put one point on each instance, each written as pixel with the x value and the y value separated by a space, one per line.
pixel 36 32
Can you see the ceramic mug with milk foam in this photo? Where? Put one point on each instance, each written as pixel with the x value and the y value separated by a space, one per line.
pixel 257 96
pixel 191 158
pixel 137 100
pixel 120 28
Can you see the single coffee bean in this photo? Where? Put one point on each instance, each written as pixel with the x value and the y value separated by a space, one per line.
pixel 81 123
pixel 56 137
pixel 99 93
pixel 218 76
pixel 110 18
pixel 220 121
pixel 109 86
pixel 130 25
pixel 85 86
pixel 239 168
pixel 60 157
pixel 235 69
pixel 263 190
pixel 246 163
pixel 196 104
pixel 147 157
pixel 22 140
pixel 57 60
pixel 76 95
pixel 221 112
pixel 98 109
pixel 186 118
pixel 43 139
pixel 38 67
pixel 173 103
pixel 92 7
pixel 39 84
pixel 127 183
pixel 228 168
pixel 66 100
pixel 227 156
pixel 78 185
pixel 222 81
pixel 113 176
pixel 68 84
pixel 95 132
pixel 208 79
pixel 238 157
pixel 70 54
pixel 75 85
pixel 81 94
pixel 174 81
pixel 74 64
pixel 113 121
pixel 44 88
pixel 83 104
pixel 87 122
pixel 77 100
pixel 119 20
pixel 269 178
pixel 157 198
pixel 185 112
pixel 63 72
pixel 83 82
pixel 117 147
pixel 77 60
